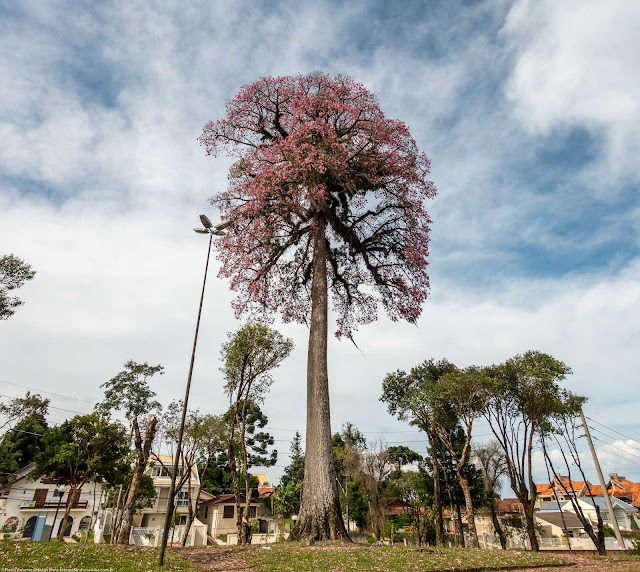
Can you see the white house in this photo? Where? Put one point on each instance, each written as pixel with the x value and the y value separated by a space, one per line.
pixel 149 522
pixel 28 508
pixel 219 514
pixel 623 511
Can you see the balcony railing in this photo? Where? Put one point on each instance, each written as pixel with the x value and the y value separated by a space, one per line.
pixel 53 504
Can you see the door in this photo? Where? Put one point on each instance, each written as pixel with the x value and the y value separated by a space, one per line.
pixel 29 527
pixel 40 496
pixel 67 529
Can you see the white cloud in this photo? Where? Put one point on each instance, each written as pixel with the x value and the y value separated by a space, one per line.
pixel 577 63
pixel 119 181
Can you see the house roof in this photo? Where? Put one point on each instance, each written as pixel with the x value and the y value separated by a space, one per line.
pixel 553 506
pixel 508 505
pixel 619 487
pixel 616 502
pixel 396 506
pixel 266 491
pixel 559 484
pixel 623 487
pixel 544 489
pixel 555 518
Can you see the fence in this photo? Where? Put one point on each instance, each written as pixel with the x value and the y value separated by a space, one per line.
pixel 580 544
pixel 197 535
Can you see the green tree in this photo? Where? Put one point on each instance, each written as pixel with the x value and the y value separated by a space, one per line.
pixel 452 489
pixel 83 449
pixel 358 506
pixel 415 489
pixel 294 472
pixel 524 394
pixel 207 435
pixel 403 393
pixel 248 357
pixel 14 272
pixel 18 409
pixel 129 392
pixel 402 455
pixel 21 444
pixel 248 446
pixel 459 397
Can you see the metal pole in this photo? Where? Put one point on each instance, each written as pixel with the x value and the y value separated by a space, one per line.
pixel 60 493
pixel 605 492
pixel 172 489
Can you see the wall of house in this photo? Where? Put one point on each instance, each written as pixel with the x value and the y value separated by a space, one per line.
pixel 21 495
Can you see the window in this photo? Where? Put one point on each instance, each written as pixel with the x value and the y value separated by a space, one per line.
pixel 182 498
pixel 182 520
pixel 206 511
pixel 252 512
pixel 160 471
pixel 39 497
pixel 229 510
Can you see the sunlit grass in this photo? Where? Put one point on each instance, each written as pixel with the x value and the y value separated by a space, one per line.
pixel 27 554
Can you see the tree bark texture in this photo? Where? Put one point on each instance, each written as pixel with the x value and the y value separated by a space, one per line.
pixel 437 490
pixel 320 516
pixel 496 524
pixel 143 449
pixel 471 521
pixel 458 528
pixel 72 498
pixel 531 527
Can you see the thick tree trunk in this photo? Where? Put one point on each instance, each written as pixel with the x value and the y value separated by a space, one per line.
pixel 245 537
pixel 437 491
pixel 496 524
pixel 320 516
pixel 142 448
pixel 531 527
pixel 471 521
pixel 71 500
pixel 458 528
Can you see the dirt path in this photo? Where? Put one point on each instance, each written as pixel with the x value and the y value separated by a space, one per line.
pixel 211 559
pixel 216 559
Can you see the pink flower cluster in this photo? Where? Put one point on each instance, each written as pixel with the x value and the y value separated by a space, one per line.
pixel 316 148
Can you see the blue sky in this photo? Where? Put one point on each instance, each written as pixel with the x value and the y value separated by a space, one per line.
pixel 528 110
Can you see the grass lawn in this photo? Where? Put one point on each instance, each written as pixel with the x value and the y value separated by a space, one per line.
pixel 330 556
pixel 34 555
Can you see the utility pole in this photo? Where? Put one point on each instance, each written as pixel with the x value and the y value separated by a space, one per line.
pixel 346 500
pixel 59 494
pixel 605 492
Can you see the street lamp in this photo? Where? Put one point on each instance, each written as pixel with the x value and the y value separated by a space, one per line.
pixel 211 230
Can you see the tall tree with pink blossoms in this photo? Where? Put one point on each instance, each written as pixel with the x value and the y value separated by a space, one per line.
pixel 325 197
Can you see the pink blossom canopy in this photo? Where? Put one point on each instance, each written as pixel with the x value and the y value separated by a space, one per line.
pixel 316 153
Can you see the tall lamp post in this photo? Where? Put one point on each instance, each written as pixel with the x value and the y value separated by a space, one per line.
pixel 217 230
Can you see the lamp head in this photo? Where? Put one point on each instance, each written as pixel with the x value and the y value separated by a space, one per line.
pixel 224 224
pixel 205 221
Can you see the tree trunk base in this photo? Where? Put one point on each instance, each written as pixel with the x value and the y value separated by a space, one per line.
pixel 326 525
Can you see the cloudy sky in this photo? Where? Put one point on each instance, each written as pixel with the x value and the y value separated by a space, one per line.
pixel 529 111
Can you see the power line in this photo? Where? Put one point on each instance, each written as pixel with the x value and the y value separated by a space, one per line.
pixel 50 406
pixel 611 421
pixel 610 437
pixel 605 444
pixel 48 392
pixel 618 432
